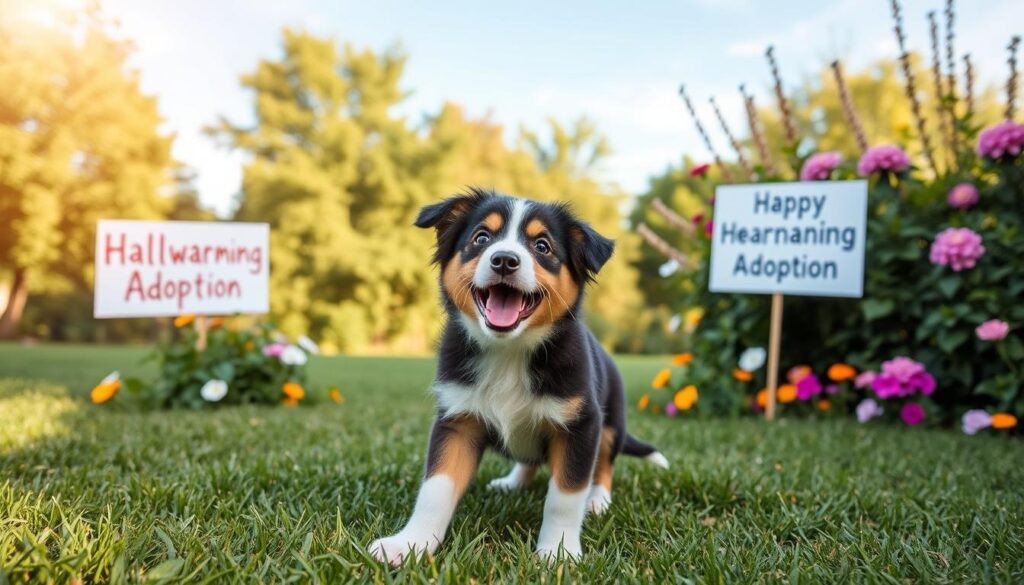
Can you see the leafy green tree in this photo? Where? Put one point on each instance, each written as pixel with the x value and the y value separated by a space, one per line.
pixel 78 141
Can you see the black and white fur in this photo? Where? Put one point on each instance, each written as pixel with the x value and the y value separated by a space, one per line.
pixel 534 385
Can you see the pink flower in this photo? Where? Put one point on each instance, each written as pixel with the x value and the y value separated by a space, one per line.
pixel 974 421
pixel 902 376
pixel 709 227
pixel 962 196
pixel 958 248
pixel 697 218
pixel 700 170
pixel 864 379
pixel 820 166
pixel 887 157
pixel 808 387
pixel 912 413
pixel 867 410
pixel 992 330
pixel 1005 139
pixel 274 349
pixel 832 389
pixel 671 410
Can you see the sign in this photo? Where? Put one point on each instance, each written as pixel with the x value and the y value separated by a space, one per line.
pixel 793 238
pixel 167 268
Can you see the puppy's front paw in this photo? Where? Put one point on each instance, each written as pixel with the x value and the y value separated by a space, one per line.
pixel 394 549
pixel 598 500
pixel 570 549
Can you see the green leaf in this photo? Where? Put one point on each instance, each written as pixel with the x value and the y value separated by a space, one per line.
pixel 876 309
pixel 166 570
pixel 949 285
pixel 952 340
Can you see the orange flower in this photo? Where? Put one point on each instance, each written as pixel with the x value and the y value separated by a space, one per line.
pixel 786 393
pixel 798 373
pixel 643 402
pixel 742 375
pixel 685 398
pixel 336 395
pixel 824 405
pixel 293 391
pixel 762 397
pixel 681 359
pixel 216 322
pixel 661 379
pixel 841 372
pixel 183 320
pixel 1003 420
pixel 105 391
pixel 290 402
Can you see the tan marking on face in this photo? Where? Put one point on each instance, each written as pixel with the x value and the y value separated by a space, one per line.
pixel 460 452
pixel 535 228
pixel 556 461
pixel 457 279
pixel 603 470
pixel 493 222
pixel 560 294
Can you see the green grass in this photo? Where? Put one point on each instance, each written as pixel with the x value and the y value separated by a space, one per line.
pixel 273 494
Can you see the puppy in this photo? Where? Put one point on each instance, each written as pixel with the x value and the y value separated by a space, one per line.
pixel 518 370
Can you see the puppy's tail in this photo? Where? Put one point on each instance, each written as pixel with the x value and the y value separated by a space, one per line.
pixel 637 448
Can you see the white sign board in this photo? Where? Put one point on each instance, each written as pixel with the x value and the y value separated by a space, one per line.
pixel 167 268
pixel 791 238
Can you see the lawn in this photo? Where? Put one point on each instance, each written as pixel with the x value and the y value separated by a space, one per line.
pixel 278 494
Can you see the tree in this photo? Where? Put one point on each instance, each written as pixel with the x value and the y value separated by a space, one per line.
pixel 78 141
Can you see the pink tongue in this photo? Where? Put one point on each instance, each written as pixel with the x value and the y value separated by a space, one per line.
pixel 503 306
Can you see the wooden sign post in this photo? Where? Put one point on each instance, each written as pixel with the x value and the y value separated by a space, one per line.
pixel 788 238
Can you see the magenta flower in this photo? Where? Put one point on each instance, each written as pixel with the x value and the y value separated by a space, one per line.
pixel 864 379
pixel 808 387
pixel 912 413
pixel 867 410
pixel 274 349
pixel 992 330
pixel 1002 140
pixel 709 227
pixel 820 166
pixel 887 157
pixel 832 389
pixel 974 421
pixel 962 196
pixel 902 376
pixel 958 248
pixel 671 410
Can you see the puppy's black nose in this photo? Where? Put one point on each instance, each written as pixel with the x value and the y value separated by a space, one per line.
pixel 504 263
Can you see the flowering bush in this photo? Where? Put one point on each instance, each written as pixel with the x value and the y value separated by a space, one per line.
pixel 236 366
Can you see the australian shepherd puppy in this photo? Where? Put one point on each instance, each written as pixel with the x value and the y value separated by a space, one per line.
pixel 518 371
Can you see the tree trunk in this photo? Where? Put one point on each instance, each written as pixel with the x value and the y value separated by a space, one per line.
pixel 15 305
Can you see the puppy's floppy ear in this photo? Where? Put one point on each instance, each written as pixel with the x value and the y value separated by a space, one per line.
pixel 589 249
pixel 447 218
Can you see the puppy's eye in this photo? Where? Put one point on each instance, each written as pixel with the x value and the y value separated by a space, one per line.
pixel 542 246
pixel 481 238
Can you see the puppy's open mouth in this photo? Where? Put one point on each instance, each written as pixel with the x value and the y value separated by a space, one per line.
pixel 505 307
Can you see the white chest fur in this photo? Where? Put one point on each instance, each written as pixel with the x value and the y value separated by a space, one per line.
pixel 502 397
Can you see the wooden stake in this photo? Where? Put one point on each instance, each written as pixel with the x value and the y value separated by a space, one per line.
pixel 202 325
pixel 774 341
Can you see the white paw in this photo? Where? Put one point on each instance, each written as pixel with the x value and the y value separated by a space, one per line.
pixel 394 549
pixel 505 484
pixel 570 550
pixel 598 500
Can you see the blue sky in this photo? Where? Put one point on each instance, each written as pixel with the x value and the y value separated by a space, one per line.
pixel 617 63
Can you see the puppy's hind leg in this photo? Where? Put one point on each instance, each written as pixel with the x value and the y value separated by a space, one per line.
pixel 520 476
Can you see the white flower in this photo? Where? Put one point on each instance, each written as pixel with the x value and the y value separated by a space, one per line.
pixel 668 269
pixel 293 356
pixel 752 359
pixel 111 377
pixel 309 345
pixel 214 390
pixel 674 322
